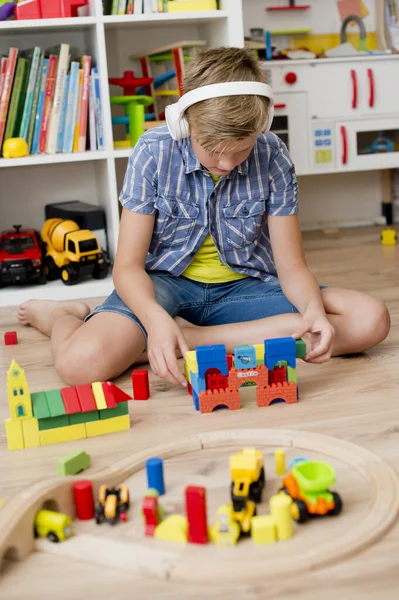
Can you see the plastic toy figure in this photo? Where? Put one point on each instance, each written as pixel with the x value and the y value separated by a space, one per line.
pixel 113 504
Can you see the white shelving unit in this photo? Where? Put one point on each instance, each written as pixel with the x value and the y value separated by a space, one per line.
pixel 94 177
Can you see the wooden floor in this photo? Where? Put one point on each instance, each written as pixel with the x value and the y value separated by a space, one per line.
pixel 353 398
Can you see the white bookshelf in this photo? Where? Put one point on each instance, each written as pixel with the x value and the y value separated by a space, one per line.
pixel 27 184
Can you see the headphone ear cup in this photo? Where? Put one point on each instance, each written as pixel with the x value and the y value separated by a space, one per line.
pixel 177 124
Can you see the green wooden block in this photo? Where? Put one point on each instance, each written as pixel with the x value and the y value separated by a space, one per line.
pixel 55 403
pixel 300 348
pixel 291 374
pixel 84 417
pixel 73 463
pixel 53 422
pixel 120 409
pixel 40 406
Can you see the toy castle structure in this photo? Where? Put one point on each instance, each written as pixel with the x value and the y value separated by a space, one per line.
pixel 214 377
pixel 71 413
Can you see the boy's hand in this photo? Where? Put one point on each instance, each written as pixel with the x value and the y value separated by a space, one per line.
pixel 164 338
pixel 318 330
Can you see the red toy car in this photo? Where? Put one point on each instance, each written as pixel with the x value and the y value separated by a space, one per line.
pixel 21 257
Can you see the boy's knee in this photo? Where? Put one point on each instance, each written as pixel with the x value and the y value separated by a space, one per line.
pixel 379 321
pixel 78 365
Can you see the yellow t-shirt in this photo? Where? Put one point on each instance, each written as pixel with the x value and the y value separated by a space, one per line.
pixel 206 266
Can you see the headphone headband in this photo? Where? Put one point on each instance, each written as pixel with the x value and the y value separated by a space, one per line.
pixel 174 113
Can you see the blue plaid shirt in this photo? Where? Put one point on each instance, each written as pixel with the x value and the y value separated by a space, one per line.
pixel 165 178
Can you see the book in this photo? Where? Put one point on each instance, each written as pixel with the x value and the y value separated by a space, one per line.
pixel 86 65
pixel 114 7
pixel 3 69
pixel 33 56
pixel 98 108
pixel 40 107
pixel 129 7
pixel 138 7
pixel 17 98
pixel 35 102
pixel 62 69
pixel 61 126
pixel 48 101
pixel 71 107
pixel 92 117
pixel 122 7
pixel 78 110
pixel 6 92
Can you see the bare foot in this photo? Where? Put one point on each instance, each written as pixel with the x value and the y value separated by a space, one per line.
pixel 41 314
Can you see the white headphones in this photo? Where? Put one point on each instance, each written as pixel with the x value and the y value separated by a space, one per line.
pixel 174 113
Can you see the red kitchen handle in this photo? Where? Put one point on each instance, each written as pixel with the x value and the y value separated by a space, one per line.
pixel 370 75
pixel 344 145
pixel 354 88
pixel 277 106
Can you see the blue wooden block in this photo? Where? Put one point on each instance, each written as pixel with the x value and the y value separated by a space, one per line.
pixel 196 400
pixel 244 357
pixel 197 382
pixel 208 354
pixel 154 468
pixel 280 349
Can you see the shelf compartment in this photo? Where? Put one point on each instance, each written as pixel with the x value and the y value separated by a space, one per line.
pixel 49 159
pixel 114 21
pixel 56 290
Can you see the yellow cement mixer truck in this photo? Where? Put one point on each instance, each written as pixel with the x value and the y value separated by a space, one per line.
pixel 72 253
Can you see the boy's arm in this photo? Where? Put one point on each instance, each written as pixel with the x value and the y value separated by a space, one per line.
pixel 299 284
pixel 135 287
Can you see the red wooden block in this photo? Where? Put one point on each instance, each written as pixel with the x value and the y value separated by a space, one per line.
pixel 84 499
pixel 86 398
pixel 229 361
pixel 50 9
pixel 30 9
pixel 196 514
pixel 10 338
pixel 70 399
pixel 109 395
pixel 277 375
pixel 141 386
pixel 150 514
pixel 189 388
pixel 118 394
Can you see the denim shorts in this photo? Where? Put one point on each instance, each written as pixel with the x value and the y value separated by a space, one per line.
pixel 208 303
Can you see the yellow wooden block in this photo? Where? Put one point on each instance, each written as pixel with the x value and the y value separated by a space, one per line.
pixel 279 457
pixel 172 529
pixel 15 436
pixel 280 508
pixel 30 429
pixel 62 434
pixel 107 425
pixel 263 529
pixel 260 352
pixel 187 372
pixel 98 394
pixel 191 360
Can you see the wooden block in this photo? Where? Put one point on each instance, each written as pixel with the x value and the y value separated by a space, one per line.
pixel 172 529
pixel 40 406
pixel 86 398
pixel 15 436
pixel 30 430
pixel 53 422
pixel 109 396
pixel 99 396
pixel 107 426
pixel 70 399
pixel 263 529
pixel 73 463
pixel 62 434
pixel 191 360
pixel 121 409
pixel 55 403
pixel 84 417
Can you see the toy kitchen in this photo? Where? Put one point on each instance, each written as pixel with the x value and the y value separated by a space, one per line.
pixel 337 110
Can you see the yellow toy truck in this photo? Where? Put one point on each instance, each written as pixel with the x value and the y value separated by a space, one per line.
pixel 113 504
pixel 225 531
pixel 72 252
pixel 55 526
pixel 248 480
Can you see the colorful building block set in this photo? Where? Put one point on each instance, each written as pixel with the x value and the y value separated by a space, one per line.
pixel 215 377
pixel 71 413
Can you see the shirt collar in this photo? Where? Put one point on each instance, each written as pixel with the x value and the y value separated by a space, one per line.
pixel 191 162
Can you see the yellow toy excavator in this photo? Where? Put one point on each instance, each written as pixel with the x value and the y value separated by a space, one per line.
pixel 248 480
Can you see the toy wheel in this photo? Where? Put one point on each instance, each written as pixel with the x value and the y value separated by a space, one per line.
pixel 68 275
pixel 42 278
pixel 99 516
pixel 52 537
pixel 337 504
pixel 100 270
pixel 35 532
pixel 299 511
pixel 283 490
pixel 51 269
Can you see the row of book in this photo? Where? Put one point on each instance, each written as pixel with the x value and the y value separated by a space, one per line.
pixel 137 7
pixel 51 101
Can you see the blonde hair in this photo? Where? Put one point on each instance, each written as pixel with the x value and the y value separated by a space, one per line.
pixel 227 118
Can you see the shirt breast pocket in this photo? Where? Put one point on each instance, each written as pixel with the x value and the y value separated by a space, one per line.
pixel 175 220
pixel 243 222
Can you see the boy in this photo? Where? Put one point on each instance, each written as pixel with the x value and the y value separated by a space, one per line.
pixel 209 248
